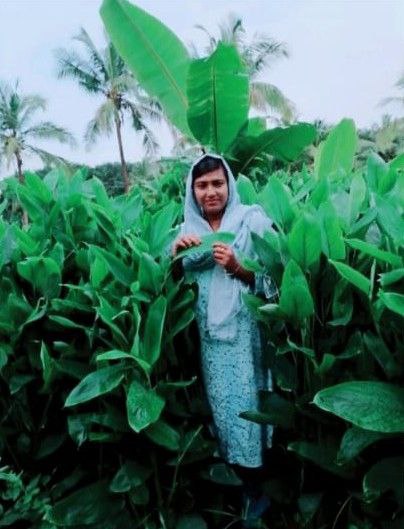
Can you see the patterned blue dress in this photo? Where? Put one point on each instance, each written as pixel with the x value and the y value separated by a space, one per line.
pixel 232 374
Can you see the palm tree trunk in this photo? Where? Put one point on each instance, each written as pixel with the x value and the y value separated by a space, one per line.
pixel 21 179
pixel 124 169
pixel 19 167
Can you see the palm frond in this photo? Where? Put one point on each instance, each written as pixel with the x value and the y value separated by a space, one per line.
pixel 113 62
pixel 47 157
pixel 125 82
pixel 9 106
pixel 149 141
pixel 232 30
pixel 212 41
pixel 71 65
pixel 261 52
pixel 95 57
pixel 147 108
pixel 265 96
pixel 393 99
pixel 400 82
pixel 102 123
pixel 28 106
pixel 50 131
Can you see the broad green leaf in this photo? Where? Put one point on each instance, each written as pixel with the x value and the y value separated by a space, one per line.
pixel 304 241
pixel 143 405
pixel 265 251
pixel 393 301
pixel 246 190
pixel 166 388
pixel 255 126
pixel 353 276
pixel 386 358
pixel 118 269
pixel 95 384
pixel 109 315
pixel 43 273
pixel 385 475
pixel 37 187
pixel 337 152
pixel 332 242
pixel 276 201
pixel 357 195
pixel 371 405
pixel 320 454
pixel 342 305
pixel 106 221
pixel 373 251
pixel 65 322
pixel 88 505
pixel 130 475
pixel 295 300
pixel 164 435
pixel 320 192
pixel 389 278
pixel 217 89
pixel 221 473
pixel 158 233
pixel 364 222
pixel 191 521
pixel 206 243
pixel 113 355
pixel 98 271
pixel 275 410
pixel 158 59
pixel 150 275
pixel 381 177
pixel 355 440
pixel 390 220
pixel 153 332
pixel 47 366
pixel 398 162
pixel 182 322
pixel 26 243
pixel 284 143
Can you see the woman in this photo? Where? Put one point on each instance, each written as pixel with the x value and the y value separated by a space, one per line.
pixel 230 343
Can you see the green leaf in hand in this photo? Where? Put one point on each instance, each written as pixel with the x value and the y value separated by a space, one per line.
pixel 206 244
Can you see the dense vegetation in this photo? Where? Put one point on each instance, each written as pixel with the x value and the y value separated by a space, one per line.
pixel 104 422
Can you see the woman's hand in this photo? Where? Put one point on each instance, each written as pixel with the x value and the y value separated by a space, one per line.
pixel 186 241
pixel 224 256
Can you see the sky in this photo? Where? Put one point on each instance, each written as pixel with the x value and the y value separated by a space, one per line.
pixel 345 56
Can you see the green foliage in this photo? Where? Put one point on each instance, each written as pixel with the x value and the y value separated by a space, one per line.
pixel 156 56
pixel 90 318
pixel 217 91
pixel 335 336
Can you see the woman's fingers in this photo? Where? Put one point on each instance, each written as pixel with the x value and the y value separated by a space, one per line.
pixel 191 240
pixel 186 241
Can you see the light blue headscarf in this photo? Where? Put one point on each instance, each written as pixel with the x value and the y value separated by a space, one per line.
pixel 225 290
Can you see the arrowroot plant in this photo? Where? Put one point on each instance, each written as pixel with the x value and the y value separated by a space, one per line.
pixel 101 420
pixel 335 336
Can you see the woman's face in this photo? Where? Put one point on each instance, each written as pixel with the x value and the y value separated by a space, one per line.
pixel 211 191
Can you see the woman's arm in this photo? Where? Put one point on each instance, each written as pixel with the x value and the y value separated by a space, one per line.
pixel 223 255
pixel 243 274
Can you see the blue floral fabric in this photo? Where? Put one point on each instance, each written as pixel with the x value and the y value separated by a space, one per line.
pixel 233 374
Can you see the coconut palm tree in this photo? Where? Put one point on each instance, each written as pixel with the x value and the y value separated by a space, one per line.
pixel 103 72
pixel 258 54
pixel 17 129
pixel 395 99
